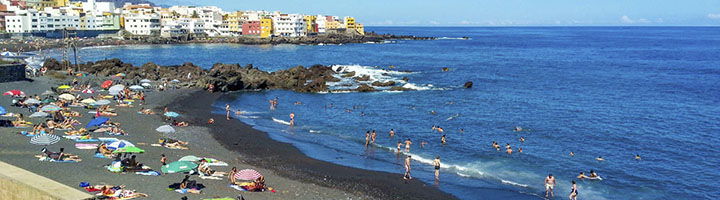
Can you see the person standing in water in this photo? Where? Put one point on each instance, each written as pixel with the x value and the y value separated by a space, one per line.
pixel 573 191
pixel 367 138
pixel 373 137
pixel 227 111
pixel 549 185
pixel 436 163
pixel 407 145
pixel 407 169
pixel 461 131
pixel 442 139
pixel 399 145
pixel 272 105
pixel 392 133
pixel 292 118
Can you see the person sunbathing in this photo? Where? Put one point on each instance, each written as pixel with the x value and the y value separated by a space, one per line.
pixel 82 131
pixel 115 130
pixel 102 149
pixel 105 113
pixel 187 185
pixel 146 111
pixel 181 124
pixel 60 155
pixel 172 143
pixel 204 169
pixel 257 185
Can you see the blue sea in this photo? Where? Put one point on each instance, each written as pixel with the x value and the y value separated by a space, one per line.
pixel 596 91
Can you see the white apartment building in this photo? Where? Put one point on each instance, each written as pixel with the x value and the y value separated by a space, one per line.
pixel 91 6
pixel 143 23
pixel 321 21
pixel 50 19
pixel 289 25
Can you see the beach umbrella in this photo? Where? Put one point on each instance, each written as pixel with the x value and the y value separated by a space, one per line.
pixel 178 167
pixel 247 175
pixel 145 84
pixel 88 101
pixel 137 87
pixel 7 53
pixel 119 75
pixel 175 81
pixel 119 144
pixel 171 114
pixel 64 87
pixel 165 129
pixel 97 122
pixel 88 91
pixel 48 100
pixel 145 81
pixel 44 139
pixel 68 97
pixel 50 108
pixel 129 149
pixel 39 115
pixel 102 102
pixel 2 110
pixel 32 101
pixel 48 92
pixel 115 89
pixel 81 74
pixel 190 158
pixel 15 93
pixel 106 84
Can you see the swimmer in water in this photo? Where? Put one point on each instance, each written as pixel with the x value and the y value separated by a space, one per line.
pixel 362 114
pixel 407 144
pixel 238 112
pixel 637 156
pixel 442 139
pixel 440 129
pixel 461 131
pixel 412 107
pixel 348 110
pixel 582 176
pixel 392 133
pixel 599 158
pixel 434 127
pixel 518 129
pixel 509 151
pixel 507 145
pixel 292 118
pixel 432 112
pixel 422 144
pixel 272 104
pixel 520 150
pixel 522 139
pixel 373 137
pixel 572 154
pixel 593 174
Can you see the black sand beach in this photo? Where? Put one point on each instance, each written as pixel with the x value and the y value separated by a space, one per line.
pixel 256 148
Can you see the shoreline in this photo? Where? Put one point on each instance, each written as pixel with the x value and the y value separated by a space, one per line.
pixel 258 149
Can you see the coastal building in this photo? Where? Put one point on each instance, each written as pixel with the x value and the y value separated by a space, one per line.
pixel 147 24
pixel 266 27
pixel 332 25
pixel 321 22
pixel 311 24
pixel 349 23
pixel 233 22
pixel 250 28
pixel 50 19
pixel 289 25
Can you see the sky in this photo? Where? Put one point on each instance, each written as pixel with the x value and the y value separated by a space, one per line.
pixel 491 12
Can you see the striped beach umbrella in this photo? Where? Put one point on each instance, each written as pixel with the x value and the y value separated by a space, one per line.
pixel 44 139
pixel 88 91
pixel 50 108
pixel 247 175
pixel 178 167
pixel 119 144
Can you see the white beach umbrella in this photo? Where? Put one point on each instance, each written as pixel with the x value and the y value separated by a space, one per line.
pixel 102 102
pixel 68 97
pixel 39 115
pixel 145 81
pixel 44 139
pixel 48 92
pixel 116 89
pixel 88 101
pixel 145 84
pixel 137 87
pixel 32 101
pixel 165 129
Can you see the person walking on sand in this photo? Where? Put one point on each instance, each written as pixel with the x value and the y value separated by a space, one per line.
pixel 549 185
pixel 292 118
pixel 436 163
pixel 163 159
pixel 227 111
pixel 407 169
pixel 573 191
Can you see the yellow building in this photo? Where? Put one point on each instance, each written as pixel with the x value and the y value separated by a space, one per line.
pixel 332 25
pixel 311 25
pixel 360 29
pixel 266 27
pixel 349 22
pixel 52 3
pixel 233 20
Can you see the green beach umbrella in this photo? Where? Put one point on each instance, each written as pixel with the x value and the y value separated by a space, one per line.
pixel 190 158
pixel 178 167
pixel 129 149
pixel 48 100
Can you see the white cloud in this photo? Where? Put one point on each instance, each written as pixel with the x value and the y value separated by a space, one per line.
pixel 714 16
pixel 627 20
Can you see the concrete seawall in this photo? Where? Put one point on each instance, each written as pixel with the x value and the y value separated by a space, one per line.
pixel 12 72
pixel 17 183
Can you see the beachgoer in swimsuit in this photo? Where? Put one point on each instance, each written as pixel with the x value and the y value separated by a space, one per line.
pixel 392 133
pixel 582 176
pixel 292 118
pixel 399 145
pixel 593 174
pixel 549 185
pixel 442 139
pixel 407 169
pixel 637 156
pixel 573 192
pixel 520 150
pixel 227 111
pixel 436 163
pixel 407 144
pixel 373 137
pixel 163 159
pixel 572 154
pixel 599 159
pixel 522 139
pixel 422 144
pixel 367 138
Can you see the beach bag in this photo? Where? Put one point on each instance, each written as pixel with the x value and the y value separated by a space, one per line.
pixel 84 184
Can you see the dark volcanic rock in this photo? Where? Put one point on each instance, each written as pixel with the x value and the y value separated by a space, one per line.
pixel 468 84
pixel 365 88
pixel 362 78
pixel 348 75
pixel 398 88
pixel 385 84
pixel 406 79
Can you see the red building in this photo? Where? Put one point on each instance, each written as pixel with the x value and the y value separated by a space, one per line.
pixel 251 28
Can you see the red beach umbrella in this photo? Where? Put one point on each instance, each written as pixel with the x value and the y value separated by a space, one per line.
pixel 14 93
pixel 106 84
pixel 247 174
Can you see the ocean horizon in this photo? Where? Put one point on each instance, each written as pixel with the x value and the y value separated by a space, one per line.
pixel 610 91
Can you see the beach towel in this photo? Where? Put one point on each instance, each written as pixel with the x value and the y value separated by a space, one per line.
pixel 237 187
pixel 47 159
pixel 210 177
pixel 149 173
pixel 86 146
pixel 99 155
pixel 107 139
pixel 87 140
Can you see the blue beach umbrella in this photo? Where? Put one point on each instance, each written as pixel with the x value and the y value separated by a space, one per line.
pixel 2 110
pixel 96 122
pixel 119 144
pixel 50 108
pixel 172 114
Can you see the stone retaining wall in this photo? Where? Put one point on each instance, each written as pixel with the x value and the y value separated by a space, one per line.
pixel 12 72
